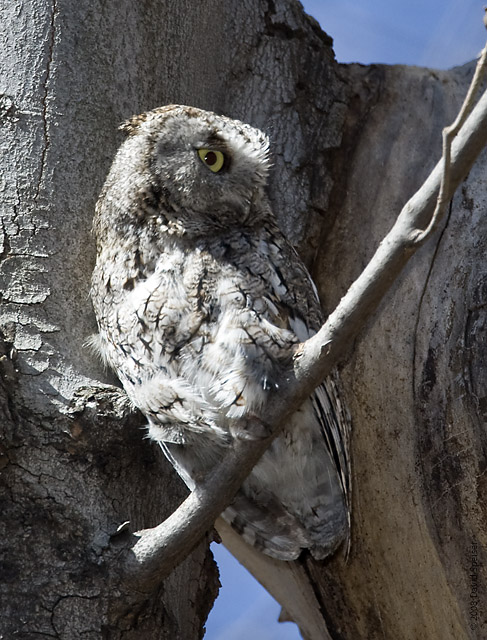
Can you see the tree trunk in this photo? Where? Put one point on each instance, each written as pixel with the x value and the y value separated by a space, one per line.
pixel 415 376
pixel 350 145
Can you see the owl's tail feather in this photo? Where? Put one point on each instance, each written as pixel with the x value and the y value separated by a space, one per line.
pixel 271 531
pixel 269 527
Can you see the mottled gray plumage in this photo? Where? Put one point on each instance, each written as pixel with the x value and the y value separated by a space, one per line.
pixel 200 301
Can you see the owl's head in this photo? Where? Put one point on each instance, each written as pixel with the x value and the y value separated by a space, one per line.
pixel 204 165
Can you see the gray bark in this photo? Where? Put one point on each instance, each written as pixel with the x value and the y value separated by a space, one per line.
pixel 351 144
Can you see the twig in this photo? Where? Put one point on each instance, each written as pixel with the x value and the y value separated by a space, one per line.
pixel 157 551
pixel 449 134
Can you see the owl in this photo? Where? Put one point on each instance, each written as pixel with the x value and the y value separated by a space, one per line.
pixel 200 302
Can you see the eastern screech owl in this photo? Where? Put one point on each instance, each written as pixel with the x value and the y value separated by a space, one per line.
pixel 200 300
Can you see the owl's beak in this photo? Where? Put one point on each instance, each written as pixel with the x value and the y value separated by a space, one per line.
pixel 242 206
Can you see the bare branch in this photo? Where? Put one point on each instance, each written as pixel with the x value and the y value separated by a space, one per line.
pixel 157 551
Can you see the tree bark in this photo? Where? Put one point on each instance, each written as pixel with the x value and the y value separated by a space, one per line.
pixel 350 145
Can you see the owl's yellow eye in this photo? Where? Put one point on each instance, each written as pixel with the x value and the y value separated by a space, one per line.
pixel 214 160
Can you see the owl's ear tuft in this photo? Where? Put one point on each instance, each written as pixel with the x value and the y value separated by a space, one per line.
pixel 132 125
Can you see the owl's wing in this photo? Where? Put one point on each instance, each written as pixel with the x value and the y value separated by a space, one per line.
pixel 299 494
pixel 335 423
pixel 332 414
pixel 296 497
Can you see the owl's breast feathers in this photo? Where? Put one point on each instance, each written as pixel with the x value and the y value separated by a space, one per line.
pixel 222 316
pixel 206 335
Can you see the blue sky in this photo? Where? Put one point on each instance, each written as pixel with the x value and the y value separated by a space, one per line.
pixel 431 33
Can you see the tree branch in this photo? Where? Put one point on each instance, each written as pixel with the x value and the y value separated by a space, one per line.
pixel 155 552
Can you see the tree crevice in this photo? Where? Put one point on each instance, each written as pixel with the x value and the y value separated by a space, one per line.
pixel 51 41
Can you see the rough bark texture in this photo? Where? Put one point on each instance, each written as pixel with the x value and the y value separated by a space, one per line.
pixel 351 144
